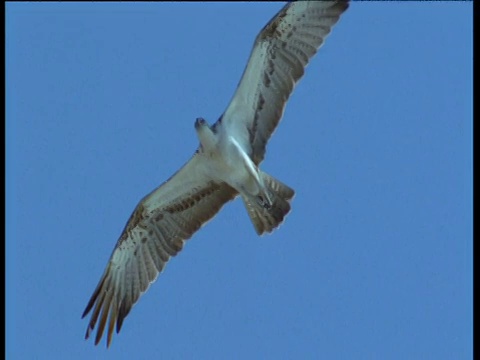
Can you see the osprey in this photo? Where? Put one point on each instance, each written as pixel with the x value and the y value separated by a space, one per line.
pixel 225 165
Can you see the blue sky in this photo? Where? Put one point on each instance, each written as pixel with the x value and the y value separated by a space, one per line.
pixel 375 259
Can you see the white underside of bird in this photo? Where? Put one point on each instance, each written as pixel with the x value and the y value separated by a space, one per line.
pixel 228 161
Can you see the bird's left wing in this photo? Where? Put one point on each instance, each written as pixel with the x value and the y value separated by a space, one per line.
pixel 280 53
pixel 156 230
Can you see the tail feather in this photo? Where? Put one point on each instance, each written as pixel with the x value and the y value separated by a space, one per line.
pixel 266 219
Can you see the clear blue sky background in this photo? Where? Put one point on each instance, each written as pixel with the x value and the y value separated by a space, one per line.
pixel 374 261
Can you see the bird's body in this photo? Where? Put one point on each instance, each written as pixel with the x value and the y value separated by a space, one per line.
pixel 228 161
pixel 225 165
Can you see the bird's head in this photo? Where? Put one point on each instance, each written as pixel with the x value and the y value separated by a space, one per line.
pixel 200 123
pixel 205 134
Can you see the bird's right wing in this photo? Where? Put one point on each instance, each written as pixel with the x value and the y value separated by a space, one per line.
pixel 157 230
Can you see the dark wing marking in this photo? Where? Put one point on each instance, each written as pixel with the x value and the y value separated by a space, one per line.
pixel 156 231
pixel 281 51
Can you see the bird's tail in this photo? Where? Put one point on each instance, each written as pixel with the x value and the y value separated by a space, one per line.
pixel 266 217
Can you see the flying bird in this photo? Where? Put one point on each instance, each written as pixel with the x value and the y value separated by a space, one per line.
pixel 224 166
